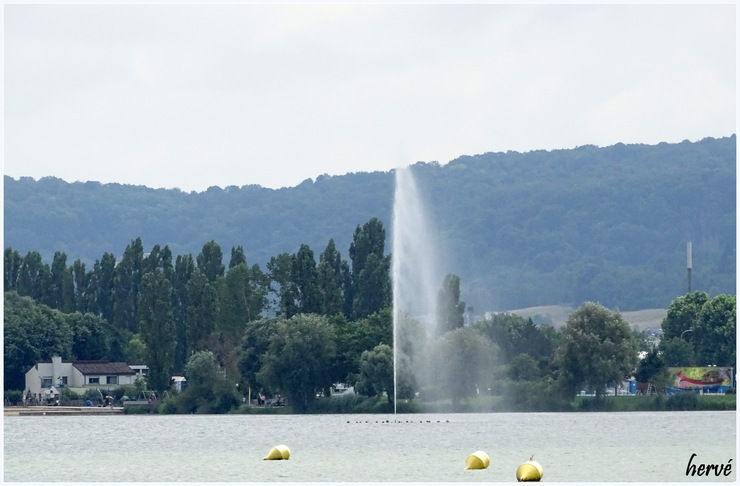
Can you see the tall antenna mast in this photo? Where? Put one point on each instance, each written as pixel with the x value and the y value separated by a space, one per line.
pixel 688 263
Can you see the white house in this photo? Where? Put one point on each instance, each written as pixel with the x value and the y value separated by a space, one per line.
pixel 44 380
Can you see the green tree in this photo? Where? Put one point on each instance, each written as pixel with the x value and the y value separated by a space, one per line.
pixel 298 360
pixel 12 267
pixel 34 277
pixel 524 368
pixel 449 308
pixel 652 369
pixel 127 282
pixel 459 364
pixel 208 390
pixel 31 333
pixel 158 259
pixel 329 280
pixel 516 335
pixel 714 334
pixel 677 352
pixel 370 269
pixel 183 271
pixel 102 285
pixel 241 300
pixel 376 372
pixel 355 337
pixel 157 326
pixel 252 347
pixel 80 279
pixel 305 280
pixel 202 311
pixel 596 349
pixel 238 257
pixel 683 315
pixel 90 336
pixel 60 294
pixel 280 271
pixel 210 261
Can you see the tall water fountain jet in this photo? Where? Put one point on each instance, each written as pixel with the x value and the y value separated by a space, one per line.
pixel 414 270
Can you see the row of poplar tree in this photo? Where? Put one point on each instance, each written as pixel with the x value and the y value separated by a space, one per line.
pixel 147 298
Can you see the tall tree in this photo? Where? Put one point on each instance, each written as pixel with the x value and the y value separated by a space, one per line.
pixel 102 284
pixel 238 257
pixel 127 282
pixel 34 277
pixel 159 258
pixel 330 280
pixel 202 311
pixel 252 348
pixel 237 302
pixel 157 326
pixel 373 291
pixel 183 271
pixel 305 280
pixel 81 282
pixel 370 269
pixel 449 308
pixel 597 349
pixel 61 291
pixel 13 262
pixel 210 261
pixel 280 271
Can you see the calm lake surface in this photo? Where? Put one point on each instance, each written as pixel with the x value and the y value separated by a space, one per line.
pixel 584 447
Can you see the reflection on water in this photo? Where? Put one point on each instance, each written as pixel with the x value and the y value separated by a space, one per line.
pixel 586 447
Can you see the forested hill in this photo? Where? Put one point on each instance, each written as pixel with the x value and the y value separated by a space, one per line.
pixel 521 229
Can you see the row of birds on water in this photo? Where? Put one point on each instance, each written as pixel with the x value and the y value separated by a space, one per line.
pixel 398 421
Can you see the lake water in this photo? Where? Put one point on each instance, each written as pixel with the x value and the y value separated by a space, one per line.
pixel 583 447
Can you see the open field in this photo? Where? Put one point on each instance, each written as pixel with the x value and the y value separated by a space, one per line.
pixel 642 319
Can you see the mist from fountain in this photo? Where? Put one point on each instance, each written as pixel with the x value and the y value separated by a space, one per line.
pixel 415 263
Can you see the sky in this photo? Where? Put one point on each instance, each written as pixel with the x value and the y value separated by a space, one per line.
pixel 190 96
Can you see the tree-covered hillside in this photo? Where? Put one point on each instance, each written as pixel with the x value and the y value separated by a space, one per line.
pixel 520 229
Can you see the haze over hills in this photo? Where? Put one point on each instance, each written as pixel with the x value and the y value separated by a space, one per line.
pixel 521 229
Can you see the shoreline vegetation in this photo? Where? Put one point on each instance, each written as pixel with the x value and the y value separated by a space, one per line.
pixel 354 404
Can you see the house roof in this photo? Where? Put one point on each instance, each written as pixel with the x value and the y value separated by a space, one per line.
pixel 102 368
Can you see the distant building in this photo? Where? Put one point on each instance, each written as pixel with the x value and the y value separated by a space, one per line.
pixel 45 380
pixel 179 383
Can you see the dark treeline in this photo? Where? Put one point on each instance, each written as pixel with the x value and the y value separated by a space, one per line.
pixel 150 301
pixel 306 323
pixel 606 224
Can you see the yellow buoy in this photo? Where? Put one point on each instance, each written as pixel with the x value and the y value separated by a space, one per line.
pixel 477 460
pixel 278 453
pixel 530 471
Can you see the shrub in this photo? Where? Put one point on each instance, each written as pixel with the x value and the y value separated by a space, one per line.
pixel 683 401
pixel 15 397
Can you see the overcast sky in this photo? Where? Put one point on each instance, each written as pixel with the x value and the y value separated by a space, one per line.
pixel 192 96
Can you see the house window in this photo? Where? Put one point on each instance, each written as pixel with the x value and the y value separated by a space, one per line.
pixel 46 382
pixel 111 380
pixel 64 381
pixel 92 380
